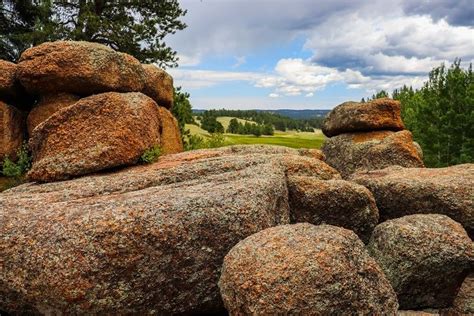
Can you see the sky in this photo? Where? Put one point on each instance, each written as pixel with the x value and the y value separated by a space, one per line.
pixel 314 54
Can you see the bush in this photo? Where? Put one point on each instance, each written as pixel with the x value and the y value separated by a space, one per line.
pixel 215 140
pixel 194 142
pixel 21 166
pixel 151 154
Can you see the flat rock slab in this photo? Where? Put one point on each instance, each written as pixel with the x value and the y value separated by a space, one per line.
pixel 349 117
pixel 402 191
pixel 147 238
pixel 363 151
pixel 81 68
pixel 96 133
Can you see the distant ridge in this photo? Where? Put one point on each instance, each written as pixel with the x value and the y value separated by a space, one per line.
pixel 294 114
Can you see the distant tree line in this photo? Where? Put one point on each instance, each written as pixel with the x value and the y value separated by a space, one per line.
pixel 236 127
pixel 441 114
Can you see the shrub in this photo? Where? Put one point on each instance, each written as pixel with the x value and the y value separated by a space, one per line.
pixel 21 166
pixel 215 140
pixel 151 154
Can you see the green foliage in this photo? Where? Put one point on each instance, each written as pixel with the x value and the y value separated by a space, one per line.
pixel 135 27
pixel 194 142
pixel 215 140
pixel 209 123
pixel 20 167
pixel 235 127
pixel 441 115
pixel 151 154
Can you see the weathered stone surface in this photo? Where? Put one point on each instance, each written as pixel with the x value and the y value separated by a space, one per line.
pixel 170 139
pixel 158 86
pixel 10 89
pixel 425 256
pixel 147 239
pixel 96 133
pixel 335 202
pixel 313 153
pixel 349 153
pixel 12 131
pixel 349 117
pixel 81 68
pixel 303 269
pixel 464 301
pixel 402 191
pixel 47 106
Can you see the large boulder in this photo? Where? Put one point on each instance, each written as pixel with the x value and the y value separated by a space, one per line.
pixel 403 191
pixel 12 131
pixel 303 269
pixel 335 202
pixel 170 141
pixel 81 68
pixel 96 133
pixel 425 256
pixel 11 90
pixel 464 301
pixel 349 153
pixel 158 86
pixel 47 106
pixel 149 239
pixel 349 117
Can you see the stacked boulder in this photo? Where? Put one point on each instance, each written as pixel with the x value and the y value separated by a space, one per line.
pixel 97 109
pixel 368 136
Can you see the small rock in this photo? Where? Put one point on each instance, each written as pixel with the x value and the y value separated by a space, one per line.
pixel 425 256
pixel 47 106
pixel 158 86
pixel 81 68
pixel 349 117
pixel 335 202
pixel 403 191
pixel 303 269
pixel 12 131
pixel 350 153
pixel 96 133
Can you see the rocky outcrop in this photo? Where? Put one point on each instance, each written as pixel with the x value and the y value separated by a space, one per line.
pixel 12 131
pixel 335 202
pixel 425 256
pixel 350 153
pixel 350 117
pixel 96 133
pixel 81 68
pixel 304 269
pixel 170 136
pixel 148 238
pixel 47 106
pixel 158 86
pixel 402 191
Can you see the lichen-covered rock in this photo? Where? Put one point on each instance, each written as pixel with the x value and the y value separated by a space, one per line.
pixel 148 239
pixel 349 153
pixel 335 202
pixel 403 191
pixel 158 86
pixel 464 301
pixel 96 133
pixel 313 153
pixel 47 106
pixel 349 117
pixel 425 256
pixel 170 140
pixel 81 68
pixel 12 131
pixel 303 269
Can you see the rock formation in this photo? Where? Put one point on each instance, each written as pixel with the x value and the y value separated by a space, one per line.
pixel 368 136
pixel 304 269
pixel 12 131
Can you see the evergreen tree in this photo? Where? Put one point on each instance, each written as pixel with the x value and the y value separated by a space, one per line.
pixel 233 127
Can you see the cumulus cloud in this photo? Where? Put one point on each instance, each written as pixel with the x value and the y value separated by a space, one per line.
pixel 459 12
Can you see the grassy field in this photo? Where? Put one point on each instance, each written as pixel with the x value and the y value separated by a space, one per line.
pixel 289 138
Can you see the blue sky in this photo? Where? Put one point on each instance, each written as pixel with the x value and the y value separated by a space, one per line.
pixel 308 54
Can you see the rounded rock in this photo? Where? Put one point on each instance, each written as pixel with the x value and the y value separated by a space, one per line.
pixel 304 269
pixel 159 86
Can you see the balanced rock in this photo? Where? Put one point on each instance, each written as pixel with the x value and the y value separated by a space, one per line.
pixel 349 153
pixel 96 133
pixel 150 238
pixel 402 191
pixel 47 106
pixel 170 140
pixel 81 68
pixel 335 202
pixel 349 117
pixel 158 86
pixel 303 269
pixel 12 131
pixel 425 256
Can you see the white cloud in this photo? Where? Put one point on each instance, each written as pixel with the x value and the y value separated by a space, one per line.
pixel 309 95
pixel 274 95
